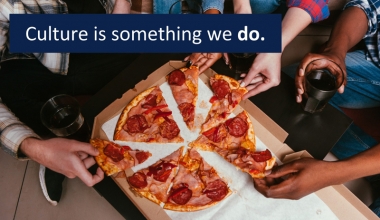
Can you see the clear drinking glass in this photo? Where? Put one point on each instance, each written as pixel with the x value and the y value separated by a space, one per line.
pixel 322 79
pixel 240 62
pixel 186 7
pixel 61 114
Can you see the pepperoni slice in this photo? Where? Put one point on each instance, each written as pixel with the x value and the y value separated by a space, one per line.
pixel 181 195
pixel 142 156
pixel 187 111
pixel 161 171
pixel 150 101
pixel 237 127
pixel 136 124
pixel 216 190
pixel 169 129
pixel 114 152
pixel 216 134
pixel 220 88
pixel 138 180
pixel 262 156
pixel 176 77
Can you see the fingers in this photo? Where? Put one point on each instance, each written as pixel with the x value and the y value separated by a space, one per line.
pixel 226 58
pixel 86 148
pixel 89 162
pixel 87 177
pixel 252 73
pixel 261 87
pixel 194 57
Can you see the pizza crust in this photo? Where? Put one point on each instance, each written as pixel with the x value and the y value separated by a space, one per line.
pixel 124 114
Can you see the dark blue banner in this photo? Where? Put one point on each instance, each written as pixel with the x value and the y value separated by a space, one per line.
pixel 144 33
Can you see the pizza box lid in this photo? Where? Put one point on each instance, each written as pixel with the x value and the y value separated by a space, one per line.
pixel 340 200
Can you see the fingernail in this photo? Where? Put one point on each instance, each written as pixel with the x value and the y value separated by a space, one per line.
pixel 300 91
pixel 298 98
pixel 267 172
pixel 242 75
pixel 301 72
pixel 242 84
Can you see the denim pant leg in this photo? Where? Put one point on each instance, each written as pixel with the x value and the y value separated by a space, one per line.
pixel 265 6
pixel 163 6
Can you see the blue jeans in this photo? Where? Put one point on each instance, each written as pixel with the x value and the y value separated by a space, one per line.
pixel 265 6
pixel 362 91
pixel 163 6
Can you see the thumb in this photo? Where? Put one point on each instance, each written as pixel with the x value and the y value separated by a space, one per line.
pixel 249 77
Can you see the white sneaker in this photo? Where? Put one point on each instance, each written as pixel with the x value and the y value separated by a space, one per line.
pixel 51 184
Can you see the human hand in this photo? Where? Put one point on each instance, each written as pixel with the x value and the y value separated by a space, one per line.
pixel 297 179
pixel 68 157
pixel 300 75
pixel 203 60
pixel 242 7
pixel 264 73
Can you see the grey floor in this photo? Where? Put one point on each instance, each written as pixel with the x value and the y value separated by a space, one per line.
pixel 22 198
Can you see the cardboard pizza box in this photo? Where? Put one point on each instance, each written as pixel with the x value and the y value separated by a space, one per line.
pixel 343 203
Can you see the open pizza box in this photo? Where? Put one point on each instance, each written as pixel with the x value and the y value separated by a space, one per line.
pixel 342 203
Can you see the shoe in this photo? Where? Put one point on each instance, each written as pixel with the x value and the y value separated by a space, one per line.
pixel 51 184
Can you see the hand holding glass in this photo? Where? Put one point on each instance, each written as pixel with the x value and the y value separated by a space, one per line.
pixel 322 79
pixel 186 7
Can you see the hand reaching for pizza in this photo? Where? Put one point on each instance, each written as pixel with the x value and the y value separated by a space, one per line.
pixel 264 74
pixel 297 179
pixel 68 157
pixel 203 60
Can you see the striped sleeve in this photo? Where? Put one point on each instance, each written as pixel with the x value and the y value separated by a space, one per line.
pixel 12 132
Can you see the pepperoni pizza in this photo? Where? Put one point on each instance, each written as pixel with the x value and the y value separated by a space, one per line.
pixel 153 182
pixel 234 140
pixel 147 118
pixel 182 183
pixel 114 158
pixel 184 85
pixel 227 95
pixel 196 186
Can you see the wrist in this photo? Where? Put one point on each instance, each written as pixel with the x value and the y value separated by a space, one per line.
pixel 30 148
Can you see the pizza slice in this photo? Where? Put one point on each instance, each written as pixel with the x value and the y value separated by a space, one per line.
pixel 114 158
pixel 227 95
pixel 196 186
pixel 154 181
pixel 147 118
pixel 184 85
pixel 234 140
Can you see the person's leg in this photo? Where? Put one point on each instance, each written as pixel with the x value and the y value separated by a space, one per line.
pixel 265 6
pixel 25 85
pixel 163 7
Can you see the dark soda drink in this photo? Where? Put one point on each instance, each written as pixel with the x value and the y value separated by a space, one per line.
pixel 322 79
pixel 69 123
pixel 241 62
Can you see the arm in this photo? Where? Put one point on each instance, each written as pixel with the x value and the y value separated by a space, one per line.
pixel 265 71
pixel 69 157
pixel 308 175
pixel 343 37
pixel 122 7
pixel 242 7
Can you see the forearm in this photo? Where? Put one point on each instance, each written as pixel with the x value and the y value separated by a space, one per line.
pixel 294 22
pixel 242 7
pixel 122 7
pixel 360 165
pixel 350 28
